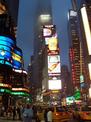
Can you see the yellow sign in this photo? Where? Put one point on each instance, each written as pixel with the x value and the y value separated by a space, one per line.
pixel 52 43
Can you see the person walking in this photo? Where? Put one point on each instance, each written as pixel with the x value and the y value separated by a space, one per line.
pixel 28 114
pixel 14 112
pixel 49 115
pixel 45 115
pixel 19 113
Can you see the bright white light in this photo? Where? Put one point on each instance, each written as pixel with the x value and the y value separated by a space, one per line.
pixel 2 52
pixel 54 84
pixel 20 71
pixel 86 28
pixel 73 13
pixel 89 67
pixel 45 17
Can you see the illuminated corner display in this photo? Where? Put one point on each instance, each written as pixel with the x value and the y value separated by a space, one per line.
pixel 54 64
pixel 54 84
pixel 86 28
pixel 18 51
pixel 6 47
pixel 7 39
pixel 52 43
pixel 89 67
pixel 17 64
pixel 16 57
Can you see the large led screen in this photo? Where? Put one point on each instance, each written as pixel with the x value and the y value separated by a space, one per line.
pixel 6 49
pixel 17 58
pixel 52 43
pixel 54 84
pixel 16 64
pixel 54 64
pixel 8 40
pixel 49 30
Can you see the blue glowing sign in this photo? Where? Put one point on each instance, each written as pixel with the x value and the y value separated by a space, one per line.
pixel 7 39
pixel 17 64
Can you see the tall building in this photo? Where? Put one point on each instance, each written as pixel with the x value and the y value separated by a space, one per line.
pixel 81 49
pixel 85 18
pixel 66 80
pixel 75 48
pixel 11 58
pixel 43 16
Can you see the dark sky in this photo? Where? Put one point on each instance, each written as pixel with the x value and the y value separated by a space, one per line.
pixel 25 34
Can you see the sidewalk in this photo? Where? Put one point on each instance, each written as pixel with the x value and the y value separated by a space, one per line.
pixel 9 119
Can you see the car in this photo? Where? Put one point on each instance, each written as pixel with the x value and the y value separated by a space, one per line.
pixel 60 114
pixel 84 114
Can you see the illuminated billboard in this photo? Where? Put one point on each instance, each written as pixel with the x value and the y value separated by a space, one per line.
pixel 54 84
pixel 7 40
pixel 49 30
pixel 17 58
pixel 52 43
pixel 86 28
pixel 6 48
pixel 70 100
pixel 54 64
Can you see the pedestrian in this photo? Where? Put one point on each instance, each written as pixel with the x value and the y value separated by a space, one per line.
pixel 19 113
pixel 35 114
pixel 28 114
pixel 49 115
pixel 14 112
pixel 45 114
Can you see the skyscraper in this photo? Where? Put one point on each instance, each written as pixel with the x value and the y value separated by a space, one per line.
pixel 85 18
pixel 75 48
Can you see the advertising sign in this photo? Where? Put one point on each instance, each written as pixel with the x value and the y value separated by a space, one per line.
pixel 54 84
pixel 54 64
pixel 49 30
pixel 52 43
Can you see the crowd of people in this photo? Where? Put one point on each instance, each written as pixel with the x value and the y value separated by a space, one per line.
pixel 25 113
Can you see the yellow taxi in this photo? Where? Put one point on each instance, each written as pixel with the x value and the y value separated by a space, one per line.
pixel 60 114
pixel 83 114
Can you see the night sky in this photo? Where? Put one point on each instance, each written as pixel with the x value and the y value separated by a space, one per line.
pixel 25 34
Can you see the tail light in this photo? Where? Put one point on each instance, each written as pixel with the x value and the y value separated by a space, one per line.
pixel 56 114
pixel 88 113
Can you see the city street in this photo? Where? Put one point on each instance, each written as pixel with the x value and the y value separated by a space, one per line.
pixel 4 120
